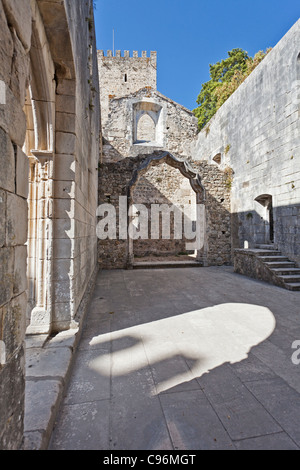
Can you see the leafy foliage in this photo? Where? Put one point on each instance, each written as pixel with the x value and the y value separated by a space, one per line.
pixel 226 76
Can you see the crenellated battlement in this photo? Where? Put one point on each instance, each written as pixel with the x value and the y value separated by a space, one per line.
pixel 126 54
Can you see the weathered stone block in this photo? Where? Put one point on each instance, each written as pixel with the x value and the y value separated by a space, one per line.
pixel 7 156
pixel 62 291
pixel 64 248
pixel 66 87
pixel 63 269
pixel 2 218
pixel 22 174
pixel 64 189
pixel 19 17
pixel 20 267
pixel 12 119
pixel 63 313
pixel 20 71
pixel 6 48
pixel 66 104
pixel 6 274
pixel 17 213
pixel 65 122
pixel 64 167
pixel 64 228
pixel 14 324
pixel 12 396
pixel 65 143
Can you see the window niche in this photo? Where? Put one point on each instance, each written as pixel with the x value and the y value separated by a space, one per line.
pixel 148 125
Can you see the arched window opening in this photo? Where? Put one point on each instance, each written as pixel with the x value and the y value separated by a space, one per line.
pixel 146 129
pixel 148 124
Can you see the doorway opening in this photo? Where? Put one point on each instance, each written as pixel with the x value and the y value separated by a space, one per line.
pixel 166 205
pixel 266 201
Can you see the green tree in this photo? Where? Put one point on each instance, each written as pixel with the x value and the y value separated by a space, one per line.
pixel 225 77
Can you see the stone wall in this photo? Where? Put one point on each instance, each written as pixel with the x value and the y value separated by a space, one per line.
pixel 256 133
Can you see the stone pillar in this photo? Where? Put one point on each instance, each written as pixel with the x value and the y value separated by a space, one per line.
pixel 40 243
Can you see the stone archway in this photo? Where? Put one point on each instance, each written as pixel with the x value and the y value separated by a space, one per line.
pixel 197 189
pixel 50 145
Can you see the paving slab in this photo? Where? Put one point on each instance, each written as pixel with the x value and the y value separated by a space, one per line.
pixel 278 441
pixel 242 415
pixel 193 424
pixel 282 402
pixel 83 426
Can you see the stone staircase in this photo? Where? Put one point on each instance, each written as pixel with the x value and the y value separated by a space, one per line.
pixel 267 264
pixel 286 271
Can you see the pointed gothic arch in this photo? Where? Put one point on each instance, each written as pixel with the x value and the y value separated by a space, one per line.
pixel 195 184
pixel 146 129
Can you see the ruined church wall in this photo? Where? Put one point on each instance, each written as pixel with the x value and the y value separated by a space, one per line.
pixel 175 126
pixel 257 133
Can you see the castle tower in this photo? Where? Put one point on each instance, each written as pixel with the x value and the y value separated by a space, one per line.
pixel 122 75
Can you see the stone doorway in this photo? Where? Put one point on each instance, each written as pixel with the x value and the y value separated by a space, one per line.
pixel 266 201
pixel 166 213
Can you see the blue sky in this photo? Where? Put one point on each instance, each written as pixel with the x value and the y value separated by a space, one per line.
pixel 188 35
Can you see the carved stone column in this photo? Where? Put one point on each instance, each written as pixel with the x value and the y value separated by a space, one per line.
pixel 40 242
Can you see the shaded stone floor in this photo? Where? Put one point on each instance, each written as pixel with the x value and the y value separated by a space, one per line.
pixel 184 359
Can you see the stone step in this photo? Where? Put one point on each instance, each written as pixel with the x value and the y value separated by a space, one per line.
pixel 265 247
pixel 281 264
pixel 165 264
pixel 273 258
pixel 265 253
pixel 287 271
pixel 293 286
pixel 290 279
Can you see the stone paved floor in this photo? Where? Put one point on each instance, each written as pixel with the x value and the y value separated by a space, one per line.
pixel 184 359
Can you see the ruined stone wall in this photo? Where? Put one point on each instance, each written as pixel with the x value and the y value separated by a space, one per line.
pixel 122 75
pixel 114 181
pixel 256 132
pixel 15 41
pixel 175 126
